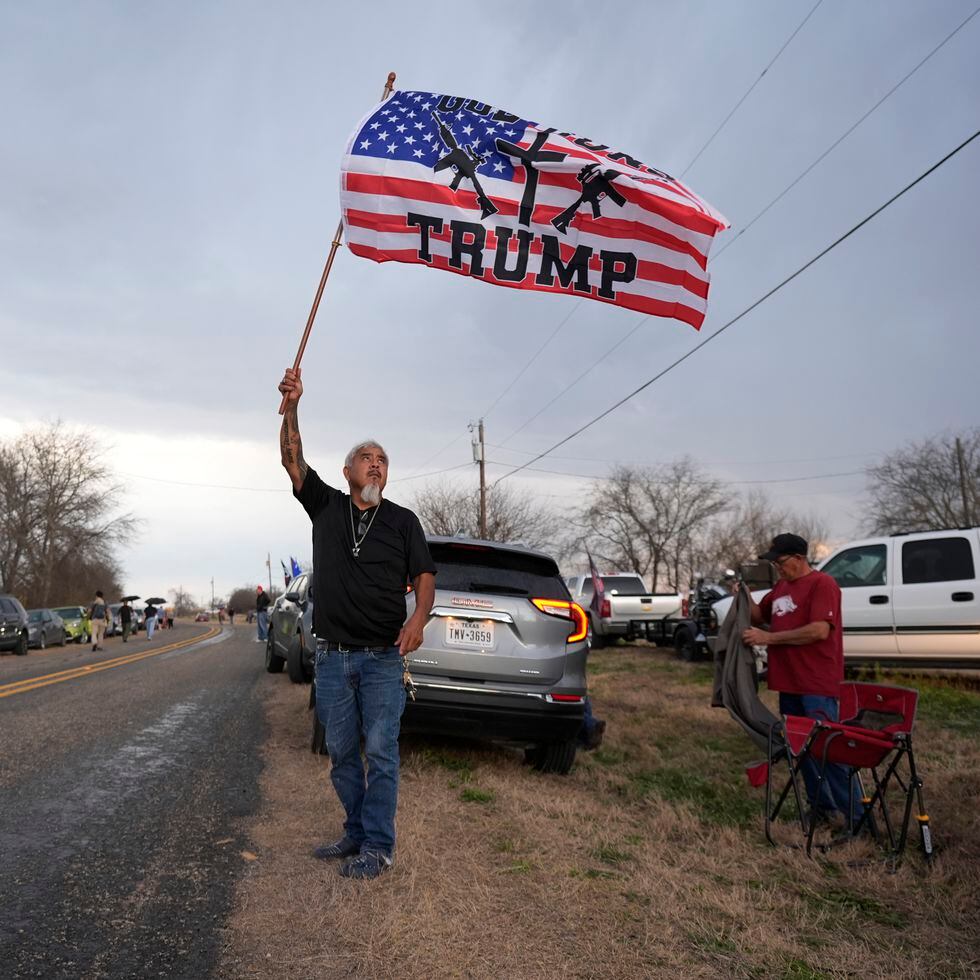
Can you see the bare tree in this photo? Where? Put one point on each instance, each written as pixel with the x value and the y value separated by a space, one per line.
pixel 448 508
pixel 747 527
pixel 184 603
pixel 650 520
pixel 929 485
pixel 57 529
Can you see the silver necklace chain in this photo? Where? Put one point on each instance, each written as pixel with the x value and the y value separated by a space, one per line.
pixel 356 550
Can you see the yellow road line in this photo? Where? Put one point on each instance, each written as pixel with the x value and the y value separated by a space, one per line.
pixel 32 683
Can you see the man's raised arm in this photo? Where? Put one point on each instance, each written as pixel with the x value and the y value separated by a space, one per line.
pixel 290 444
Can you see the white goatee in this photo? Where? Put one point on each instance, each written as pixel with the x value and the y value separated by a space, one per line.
pixel 371 494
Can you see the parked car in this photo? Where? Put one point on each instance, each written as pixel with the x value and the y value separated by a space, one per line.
pixel 13 625
pixel 909 598
pixel 114 624
pixel 627 607
pixel 291 642
pixel 45 626
pixel 503 653
pixel 78 628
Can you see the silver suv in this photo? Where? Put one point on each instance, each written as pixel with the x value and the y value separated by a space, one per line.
pixel 503 654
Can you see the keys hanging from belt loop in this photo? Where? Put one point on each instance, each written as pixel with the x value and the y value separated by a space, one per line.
pixel 407 679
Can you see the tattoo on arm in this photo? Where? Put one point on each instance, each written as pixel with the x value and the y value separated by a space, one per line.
pixel 290 443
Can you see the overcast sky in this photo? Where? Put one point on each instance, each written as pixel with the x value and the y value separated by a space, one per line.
pixel 168 192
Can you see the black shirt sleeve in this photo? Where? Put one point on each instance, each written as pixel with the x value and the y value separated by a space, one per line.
pixel 314 494
pixel 419 559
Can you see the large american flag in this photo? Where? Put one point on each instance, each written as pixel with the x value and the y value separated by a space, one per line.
pixel 457 184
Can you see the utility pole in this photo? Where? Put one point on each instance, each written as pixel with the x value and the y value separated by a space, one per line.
pixel 967 515
pixel 212 595
pixel 480 456
pixel 268 565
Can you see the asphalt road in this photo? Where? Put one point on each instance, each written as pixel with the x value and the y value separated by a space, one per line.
pixel 123 787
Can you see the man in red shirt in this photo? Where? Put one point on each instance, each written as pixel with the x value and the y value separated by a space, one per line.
pixel 806 658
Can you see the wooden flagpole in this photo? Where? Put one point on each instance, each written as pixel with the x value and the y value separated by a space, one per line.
pixel 334 245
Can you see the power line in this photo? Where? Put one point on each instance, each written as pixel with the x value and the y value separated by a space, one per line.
pixel 840 139
pixel 748 309
pixel 724 121
pixel 717 462
pixel 438 453
pixel 534 357
pixel 619 343
pixel 225 486
pixel 205 486
pixel 785 479
pixel 419 476
pixel 742 231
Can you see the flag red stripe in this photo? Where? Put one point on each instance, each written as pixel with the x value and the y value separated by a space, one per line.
pixel 651 271
pixel 632 301
pixel 417 190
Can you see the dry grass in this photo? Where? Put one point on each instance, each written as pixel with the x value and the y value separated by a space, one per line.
pixel 648 861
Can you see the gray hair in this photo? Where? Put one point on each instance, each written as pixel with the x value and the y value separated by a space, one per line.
pixel 367 444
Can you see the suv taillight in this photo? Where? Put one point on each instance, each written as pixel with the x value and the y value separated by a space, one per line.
pixel 605 609
pixel 566 610
pixel 685 607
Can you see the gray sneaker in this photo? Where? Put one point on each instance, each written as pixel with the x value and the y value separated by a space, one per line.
pixel 368 864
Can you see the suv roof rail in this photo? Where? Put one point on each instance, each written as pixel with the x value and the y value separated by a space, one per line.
pixel 932 530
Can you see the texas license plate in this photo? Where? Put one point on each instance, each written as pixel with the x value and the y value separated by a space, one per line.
pixel 475 636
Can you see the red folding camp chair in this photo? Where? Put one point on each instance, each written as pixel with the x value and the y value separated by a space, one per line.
pixel 874 734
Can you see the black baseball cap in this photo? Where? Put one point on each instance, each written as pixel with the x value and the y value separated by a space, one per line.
pixel 786 544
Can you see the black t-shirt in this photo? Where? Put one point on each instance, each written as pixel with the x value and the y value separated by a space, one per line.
pixel 360 601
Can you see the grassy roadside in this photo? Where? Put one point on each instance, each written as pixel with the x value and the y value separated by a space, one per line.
pixel 647 861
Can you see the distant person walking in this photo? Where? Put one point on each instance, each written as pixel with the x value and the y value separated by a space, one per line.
pixel 262 603
pixel 365 551
pixel 150 619
pixel 98 613
pixel 170 617
pixel 126 619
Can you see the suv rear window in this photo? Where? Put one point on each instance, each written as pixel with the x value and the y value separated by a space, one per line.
pixel 937 560
pixel 475 568
pixel 624 585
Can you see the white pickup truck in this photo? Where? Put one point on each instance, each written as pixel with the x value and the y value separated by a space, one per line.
pixel 909 598
pixel 626 607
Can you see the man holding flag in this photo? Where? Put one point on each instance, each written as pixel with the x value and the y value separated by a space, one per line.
pixel 366 549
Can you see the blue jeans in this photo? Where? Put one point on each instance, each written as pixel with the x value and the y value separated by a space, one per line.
pixel 151 621
pixel 263 624
pixel 362 694
pixel 834 792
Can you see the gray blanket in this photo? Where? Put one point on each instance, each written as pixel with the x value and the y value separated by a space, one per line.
pixel 736 680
